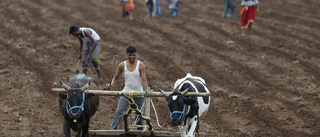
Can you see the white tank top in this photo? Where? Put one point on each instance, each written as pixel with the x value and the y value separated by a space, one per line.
pixel 132 79
pixel 94 35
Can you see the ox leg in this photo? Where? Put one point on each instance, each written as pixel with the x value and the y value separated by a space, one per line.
pixel 183 131
pixel 198 127
pixel 194 123
pixel 66 129
pixel 84 132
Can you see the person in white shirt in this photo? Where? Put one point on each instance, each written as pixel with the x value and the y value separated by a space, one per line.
pixel 135 80
pixel 92 48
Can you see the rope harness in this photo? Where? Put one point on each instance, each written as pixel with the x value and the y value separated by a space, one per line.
pixel 134 108
pixel 146 93
pixel 80 107
pixel 183 112
pixel 139 113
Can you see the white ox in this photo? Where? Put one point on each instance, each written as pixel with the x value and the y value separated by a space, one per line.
pixel 186 110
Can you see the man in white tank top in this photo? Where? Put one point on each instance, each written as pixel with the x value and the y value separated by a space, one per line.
pixel 135 80
pixel 91 49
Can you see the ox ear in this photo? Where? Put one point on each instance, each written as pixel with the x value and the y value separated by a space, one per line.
pixel 63 95
pixel 189 101
pixel 90 96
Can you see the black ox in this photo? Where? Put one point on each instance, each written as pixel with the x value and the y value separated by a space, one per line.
pixel 186 110
pixel 77 107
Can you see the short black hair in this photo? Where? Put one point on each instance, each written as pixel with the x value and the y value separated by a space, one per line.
pixel 73 29
pixel 131 49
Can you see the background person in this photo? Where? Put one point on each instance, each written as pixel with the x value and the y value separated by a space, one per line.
pixel 127 7
pixel 153 8
pixel 229 4
pixel 92 48
pixel 173 8
pixel 248 13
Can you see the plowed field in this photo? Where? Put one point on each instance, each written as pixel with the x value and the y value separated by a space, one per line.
pixel 265 84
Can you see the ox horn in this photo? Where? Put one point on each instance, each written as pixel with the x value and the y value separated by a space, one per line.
pixel 66 87
pixel 164 93
pixel 86 86
pixel 184 92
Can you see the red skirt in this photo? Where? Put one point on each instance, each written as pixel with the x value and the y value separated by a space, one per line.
pixel 247 15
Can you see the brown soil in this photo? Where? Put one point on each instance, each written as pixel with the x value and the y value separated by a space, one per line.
pixel 265 84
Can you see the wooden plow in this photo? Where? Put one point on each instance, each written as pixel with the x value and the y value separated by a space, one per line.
pixel 134 133
pixel 126 93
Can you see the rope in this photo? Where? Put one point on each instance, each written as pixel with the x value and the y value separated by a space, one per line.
pixel 143 105
pixel 101 112
pixel 80 107
pixel 145 94
pixel 132 102
pixel 134 125
pixel 155 112
pixel 130 94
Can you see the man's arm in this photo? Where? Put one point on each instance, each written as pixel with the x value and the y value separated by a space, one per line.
pixel 143 76
pixel 88 34
pixel 116 76
pixel 81 46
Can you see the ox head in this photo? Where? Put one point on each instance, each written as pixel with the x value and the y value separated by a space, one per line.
pixel 75 99
pixel 178 105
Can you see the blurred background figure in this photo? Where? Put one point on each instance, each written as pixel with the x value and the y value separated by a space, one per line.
pixel 127 7
pixel 173 8
pixel 229 4
pixel 158 10
pixel 248 13
pixel 153 8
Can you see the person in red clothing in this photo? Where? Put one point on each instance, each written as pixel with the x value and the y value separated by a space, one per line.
pixel 248 13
